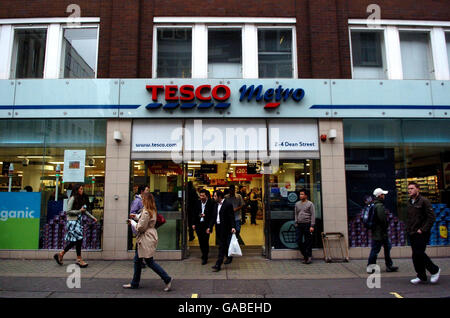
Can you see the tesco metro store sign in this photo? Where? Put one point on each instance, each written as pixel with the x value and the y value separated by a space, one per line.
pixel 207 96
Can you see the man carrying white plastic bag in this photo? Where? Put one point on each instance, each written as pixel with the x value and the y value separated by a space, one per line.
pixel 234 249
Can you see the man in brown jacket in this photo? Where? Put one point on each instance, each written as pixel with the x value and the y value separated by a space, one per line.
pixel 418 225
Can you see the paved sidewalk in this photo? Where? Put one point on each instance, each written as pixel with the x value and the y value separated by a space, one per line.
pixel 241 268
pixel 247 277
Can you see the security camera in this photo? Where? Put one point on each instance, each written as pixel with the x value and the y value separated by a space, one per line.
pixel 117 136
pixel 91 162
pixel 25 162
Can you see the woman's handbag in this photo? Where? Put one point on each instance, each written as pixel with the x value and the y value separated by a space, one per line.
pixel 160 220
pixel 234 249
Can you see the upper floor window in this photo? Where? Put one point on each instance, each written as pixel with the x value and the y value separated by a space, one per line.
pixel 368 55
pixel 174 52
pixel 29 53
pixel 416 55
pixel 79 53
pixel 224 48
pixel 224 53
pixel 275 53
pixel 400 49
pixel 48 48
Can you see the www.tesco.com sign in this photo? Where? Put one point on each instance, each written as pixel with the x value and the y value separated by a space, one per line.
pixel 207 96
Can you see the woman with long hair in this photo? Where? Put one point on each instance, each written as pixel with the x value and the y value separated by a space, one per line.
pixel 147 241
pixel 76 206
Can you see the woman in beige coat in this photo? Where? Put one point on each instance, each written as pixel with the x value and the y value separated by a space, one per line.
pixel 147 241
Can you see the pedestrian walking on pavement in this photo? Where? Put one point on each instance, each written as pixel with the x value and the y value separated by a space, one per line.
pixel 253 205
pixel 380 234
pixel 419 222
pixel 223 219
pixel 76 206
pixel 203 210
pixel 147 241
pixel 305 219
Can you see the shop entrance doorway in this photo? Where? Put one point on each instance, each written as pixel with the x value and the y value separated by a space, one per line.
pixel 248 184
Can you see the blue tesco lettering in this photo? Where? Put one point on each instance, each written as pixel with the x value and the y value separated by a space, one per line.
pixel 5 215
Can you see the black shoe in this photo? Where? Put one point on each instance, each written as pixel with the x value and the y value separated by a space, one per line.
pixel 308 260
pixel 228 261
pixel 204 262
pixel 391 269
pixel 215 268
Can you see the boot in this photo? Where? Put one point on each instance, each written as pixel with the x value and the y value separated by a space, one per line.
pixel 59 258
pixel 81 263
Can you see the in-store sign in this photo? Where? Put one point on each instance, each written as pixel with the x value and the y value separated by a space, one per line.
pixel 279 94
pixel 189 97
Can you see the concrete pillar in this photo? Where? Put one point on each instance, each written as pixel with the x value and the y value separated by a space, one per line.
pixel 334 196
pixel 117 180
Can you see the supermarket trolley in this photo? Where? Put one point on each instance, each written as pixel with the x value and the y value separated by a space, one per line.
pixel 326 237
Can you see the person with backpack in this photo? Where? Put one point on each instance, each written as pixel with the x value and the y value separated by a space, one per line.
pixel 380 237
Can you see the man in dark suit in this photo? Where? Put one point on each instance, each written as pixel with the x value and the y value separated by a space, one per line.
pixel 223 218
pixel 201 219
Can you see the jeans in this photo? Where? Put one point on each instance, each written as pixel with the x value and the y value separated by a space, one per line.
pixel 421 260
pixel 376 248
pixel 150 263
pixel 303 230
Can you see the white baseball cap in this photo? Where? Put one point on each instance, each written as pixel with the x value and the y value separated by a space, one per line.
pixel 379 191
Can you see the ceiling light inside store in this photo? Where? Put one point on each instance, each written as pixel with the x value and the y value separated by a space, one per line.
pixel 238 164
pixel 194 162
pixel 34 157
pixel 56 162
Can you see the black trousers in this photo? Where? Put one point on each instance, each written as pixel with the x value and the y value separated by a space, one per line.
pixel 203 239
pixel 253 211
pixel 421 261
pixel 224 240
pixel 77 245
pixel 305 246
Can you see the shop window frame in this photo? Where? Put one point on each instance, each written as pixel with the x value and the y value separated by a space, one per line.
pixel 249 27
pixel 392 28
pixel 60 46
pixel 55 27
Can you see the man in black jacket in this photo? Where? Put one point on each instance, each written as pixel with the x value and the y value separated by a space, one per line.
pixel 223 218
pixel 201 219
pixel 380 236
pixel 418 226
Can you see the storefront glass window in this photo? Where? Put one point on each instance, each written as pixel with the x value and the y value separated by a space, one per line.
pixel 29 53
pixel 35 148
pixel 275 53
pixel 164 180
pixel 389 154
pixel 224 53
pixel 174 53
pixel 79 53
pixel 368 55
pixel 284 185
